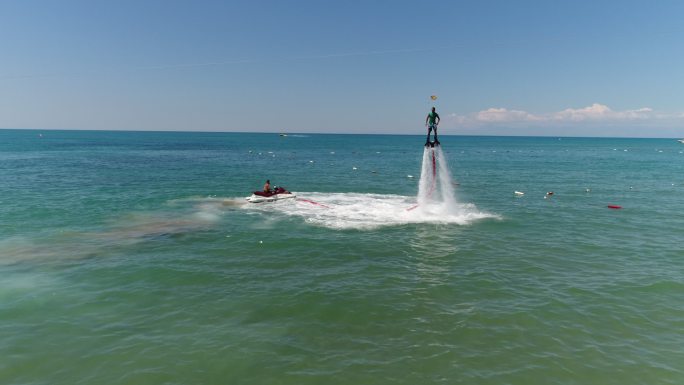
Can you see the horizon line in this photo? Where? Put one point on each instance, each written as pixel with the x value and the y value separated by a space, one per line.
pixel 330 133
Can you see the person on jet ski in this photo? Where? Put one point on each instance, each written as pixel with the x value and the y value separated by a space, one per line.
pixel 267 186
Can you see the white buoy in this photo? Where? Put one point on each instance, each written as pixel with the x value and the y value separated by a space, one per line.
pixel 353 168
pixel 588 190
pixel 519 193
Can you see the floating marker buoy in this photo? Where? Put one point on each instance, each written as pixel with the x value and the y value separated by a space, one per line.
pixel 353 168
pixel 519 193
pixel 614 207
pixel 588 190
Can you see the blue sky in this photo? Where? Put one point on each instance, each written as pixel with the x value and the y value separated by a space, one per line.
pixel 580 68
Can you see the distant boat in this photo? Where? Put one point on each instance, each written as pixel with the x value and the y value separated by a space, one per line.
pixel 680 140
pixel 283 134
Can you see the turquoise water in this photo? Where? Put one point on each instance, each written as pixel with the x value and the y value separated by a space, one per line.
pixel 132 258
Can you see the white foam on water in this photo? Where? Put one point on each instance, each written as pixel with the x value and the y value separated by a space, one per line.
pixel 435 203
pixel 209 211
pixel 369 211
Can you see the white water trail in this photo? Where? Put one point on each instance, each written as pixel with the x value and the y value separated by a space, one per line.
pixel 436 188
pixel 426 185
pixel 436 203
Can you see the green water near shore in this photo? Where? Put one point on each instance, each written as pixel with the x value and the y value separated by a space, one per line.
pixel 129 258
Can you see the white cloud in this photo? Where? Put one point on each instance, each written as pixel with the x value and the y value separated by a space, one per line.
pixel 504 115
pixel 593 113
pixel 600 112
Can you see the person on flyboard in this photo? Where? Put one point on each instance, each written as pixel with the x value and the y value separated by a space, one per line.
pixel 431 122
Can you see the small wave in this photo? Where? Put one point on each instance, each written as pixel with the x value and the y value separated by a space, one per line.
pixel 369 211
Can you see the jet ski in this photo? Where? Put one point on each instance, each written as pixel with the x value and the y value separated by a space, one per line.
pixel 278 193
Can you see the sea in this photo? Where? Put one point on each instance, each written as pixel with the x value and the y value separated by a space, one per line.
pixel 134 258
